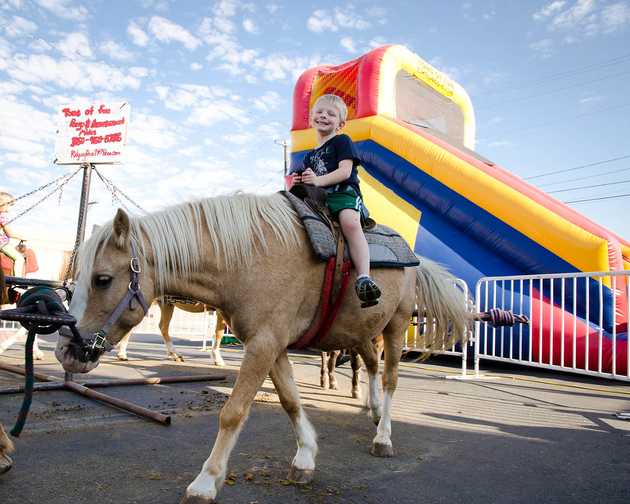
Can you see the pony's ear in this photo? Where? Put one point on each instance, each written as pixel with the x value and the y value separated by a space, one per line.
pixel 121 229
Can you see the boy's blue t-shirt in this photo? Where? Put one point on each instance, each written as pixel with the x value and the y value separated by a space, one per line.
pixel 326 158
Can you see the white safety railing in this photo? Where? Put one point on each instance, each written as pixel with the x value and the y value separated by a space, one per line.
pixel 578 322
pixel 416 342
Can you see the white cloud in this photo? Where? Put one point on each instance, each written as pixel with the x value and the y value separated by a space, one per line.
pixel 75 46
pixel 615 16
pixel 25 130
pixel 63 9
pixel 543 47
pixel 348 44
pixel 282 67
pixel 583 18
pixel 19 26
pixel 195 67
pixel 167 31
pixel 116 51
pixel 590 99
pixel 249 25
pixel 137 34
pixel 322 20
pixel 211 112
pixel 153 131
pixel 40 45
pixel 72 74
pixel 550 9
pixel 11 4
pixel 267 102
pixel 189 95
pixel 240 138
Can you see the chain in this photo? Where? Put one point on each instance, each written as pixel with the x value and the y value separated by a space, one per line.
pixel 59 187
pixel 114 190
pixel 40 188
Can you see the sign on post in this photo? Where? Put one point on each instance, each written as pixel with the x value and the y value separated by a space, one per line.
pixel 93 133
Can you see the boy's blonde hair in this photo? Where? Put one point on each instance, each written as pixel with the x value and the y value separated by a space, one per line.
pixel 335 101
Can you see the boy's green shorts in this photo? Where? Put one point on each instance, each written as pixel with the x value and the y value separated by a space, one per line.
pixel 340 200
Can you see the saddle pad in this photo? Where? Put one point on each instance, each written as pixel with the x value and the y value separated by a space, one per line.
pixel 387 248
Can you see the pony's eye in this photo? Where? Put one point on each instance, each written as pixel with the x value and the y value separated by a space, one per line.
pixel 102 281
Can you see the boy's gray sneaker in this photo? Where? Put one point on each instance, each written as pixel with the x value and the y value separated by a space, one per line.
pixel 367 291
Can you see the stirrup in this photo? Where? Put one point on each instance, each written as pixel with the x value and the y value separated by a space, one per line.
pixel 367 291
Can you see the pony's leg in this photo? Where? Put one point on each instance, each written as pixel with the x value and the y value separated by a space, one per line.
pixel 37 353
pixel 166 314
pixel 260 355
pixel 121 352
pixel 393 337
pixel 323 372
pixel 6 447
pixel 332 364
pixel 303 464
pixel 355 363
pixel 215 353
pixel 368 352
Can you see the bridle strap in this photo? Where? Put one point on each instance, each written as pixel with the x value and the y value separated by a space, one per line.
pixel 126 303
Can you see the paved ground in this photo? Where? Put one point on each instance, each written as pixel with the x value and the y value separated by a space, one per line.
pixel 520 437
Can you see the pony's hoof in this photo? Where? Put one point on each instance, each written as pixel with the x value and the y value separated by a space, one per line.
pixel 122 358
pixel 382 450
pixel 323 384
pixel 176 357
pixel 195 499
pixel 300 476
pixel 39 355
pixel 356 394
pixel 5 463
pixel 334 386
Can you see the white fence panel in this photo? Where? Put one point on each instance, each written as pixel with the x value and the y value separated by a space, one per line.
pixel 578 322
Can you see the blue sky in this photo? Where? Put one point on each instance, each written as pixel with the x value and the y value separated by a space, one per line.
pixel 210 85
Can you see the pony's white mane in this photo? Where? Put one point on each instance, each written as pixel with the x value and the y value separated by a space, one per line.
pixel 172 238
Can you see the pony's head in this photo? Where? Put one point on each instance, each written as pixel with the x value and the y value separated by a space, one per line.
pixel 114 285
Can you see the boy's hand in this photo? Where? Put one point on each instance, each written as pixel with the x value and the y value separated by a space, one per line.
pixel 309 177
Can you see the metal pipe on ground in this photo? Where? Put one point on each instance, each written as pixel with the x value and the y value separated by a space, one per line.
pixel 57 384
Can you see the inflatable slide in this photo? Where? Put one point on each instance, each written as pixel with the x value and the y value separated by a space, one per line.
pixel 414 129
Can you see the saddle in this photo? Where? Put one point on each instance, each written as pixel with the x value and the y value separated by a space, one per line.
pixel 387 249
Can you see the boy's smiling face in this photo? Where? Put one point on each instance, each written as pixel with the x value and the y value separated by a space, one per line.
pixel 325 118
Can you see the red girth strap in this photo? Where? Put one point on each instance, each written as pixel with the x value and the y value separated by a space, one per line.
pixel 328 308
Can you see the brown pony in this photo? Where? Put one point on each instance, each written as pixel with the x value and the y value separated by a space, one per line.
pixel 265 280
pixel 166 315
pixel 6 446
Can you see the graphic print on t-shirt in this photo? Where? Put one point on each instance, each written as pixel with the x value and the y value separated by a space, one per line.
pixel 317 161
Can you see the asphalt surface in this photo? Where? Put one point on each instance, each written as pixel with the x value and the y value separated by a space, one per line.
pixel 516 436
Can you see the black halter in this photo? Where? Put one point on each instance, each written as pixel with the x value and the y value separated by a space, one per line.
pixel 92 347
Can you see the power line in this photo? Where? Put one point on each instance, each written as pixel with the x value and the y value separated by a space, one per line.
pixel 567 73
pixel 601 174
pixel 597 163
pixel 598 199
pixel 589 186
pixel 563 120
pixel 549 92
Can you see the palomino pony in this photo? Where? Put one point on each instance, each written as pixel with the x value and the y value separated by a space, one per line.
pixel 166 315
pixel 266 281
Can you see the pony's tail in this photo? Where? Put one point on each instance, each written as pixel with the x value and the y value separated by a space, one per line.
pixel 442 306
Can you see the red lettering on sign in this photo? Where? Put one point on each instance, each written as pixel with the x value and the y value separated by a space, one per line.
pixel 103 110
pixel 89 111
pixel 71 113
pixel 96 139
pixel 113 137
pixel 77 141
